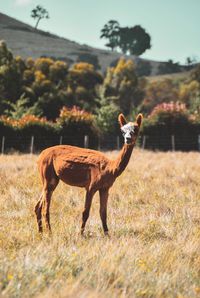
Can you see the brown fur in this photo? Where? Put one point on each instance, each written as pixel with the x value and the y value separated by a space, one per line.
pixel 83 168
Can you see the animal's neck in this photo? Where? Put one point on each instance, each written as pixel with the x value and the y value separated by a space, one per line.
pixel 122 160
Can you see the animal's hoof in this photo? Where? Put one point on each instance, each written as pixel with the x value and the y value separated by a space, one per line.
pixel 107 234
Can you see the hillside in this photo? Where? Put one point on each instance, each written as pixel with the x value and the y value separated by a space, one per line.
pixel 26 41
pixel 174 76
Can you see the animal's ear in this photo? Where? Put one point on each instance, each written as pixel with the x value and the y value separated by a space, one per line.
pixel 122 120
pixel 139 119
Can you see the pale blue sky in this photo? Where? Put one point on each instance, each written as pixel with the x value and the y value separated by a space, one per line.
pixel 174 25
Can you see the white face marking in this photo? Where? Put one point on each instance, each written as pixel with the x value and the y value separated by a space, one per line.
pixel 128 131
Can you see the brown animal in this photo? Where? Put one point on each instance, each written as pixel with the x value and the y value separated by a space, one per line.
pixel 84 168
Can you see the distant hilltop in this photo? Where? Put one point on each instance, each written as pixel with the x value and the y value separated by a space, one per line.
pixel 26 41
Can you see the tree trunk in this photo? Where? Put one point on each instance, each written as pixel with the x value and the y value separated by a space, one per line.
pixel 36 25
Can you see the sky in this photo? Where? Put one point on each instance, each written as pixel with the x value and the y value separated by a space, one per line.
pixel 174 25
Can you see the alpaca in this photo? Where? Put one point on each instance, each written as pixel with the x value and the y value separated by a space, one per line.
pixel 83 168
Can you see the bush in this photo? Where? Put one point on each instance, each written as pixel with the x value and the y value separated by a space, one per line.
pixel 74 124
pixel 18 133
pixel 169 119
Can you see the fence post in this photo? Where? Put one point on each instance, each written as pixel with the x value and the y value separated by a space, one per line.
pixel 199 142
pixel 61 140
pixel 143 142
pixel 86 141
pixel 173 143
pixel 32 144
pixel 118 145
pixel 2 145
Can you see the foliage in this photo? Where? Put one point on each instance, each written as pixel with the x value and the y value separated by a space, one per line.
pixel 5 54
pixel 121 84
pixel 74 115
pixel 169 119
pixel 110 31
pixel 157 92
pixel 71 122
pixel 82 80
pixel 169 112
pixel 10 74
pixel 107 119
pixel 18 109
pixel 39 13
pixel 77 122
pixel 89 58
pixel 47 85
pixel 188 91
pixel 43 86
pixel 132 40
pixel 190 63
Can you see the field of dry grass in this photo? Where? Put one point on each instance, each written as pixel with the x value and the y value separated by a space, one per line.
pixel 154 221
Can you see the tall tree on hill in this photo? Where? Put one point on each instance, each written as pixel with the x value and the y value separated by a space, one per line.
pixel 39 13
pixel 130 40
pixel 110 31
pixel 134 40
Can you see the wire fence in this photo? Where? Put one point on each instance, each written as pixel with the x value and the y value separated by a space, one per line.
pixel 34 144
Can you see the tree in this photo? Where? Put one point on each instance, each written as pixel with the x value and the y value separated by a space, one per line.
pixel 10 74
pixel 39 13
pixel 120 85
pixel 83 80
pixel 110 31
pixel 131 40
pixel 157 92
pixel 134 40
pixel 107 118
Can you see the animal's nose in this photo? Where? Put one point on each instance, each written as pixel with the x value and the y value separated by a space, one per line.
pixel 128 140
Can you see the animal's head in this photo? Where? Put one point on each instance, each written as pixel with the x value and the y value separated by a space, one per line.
pixel 130 130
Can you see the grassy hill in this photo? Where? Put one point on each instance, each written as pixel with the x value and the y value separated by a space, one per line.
pixel 26 41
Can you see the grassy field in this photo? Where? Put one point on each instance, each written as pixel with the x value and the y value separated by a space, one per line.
pixel 154 221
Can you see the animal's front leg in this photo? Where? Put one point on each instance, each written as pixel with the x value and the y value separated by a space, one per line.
pixel 86 212
pixel 103 208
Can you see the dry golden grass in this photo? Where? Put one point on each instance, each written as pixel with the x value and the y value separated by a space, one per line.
pixel 154 221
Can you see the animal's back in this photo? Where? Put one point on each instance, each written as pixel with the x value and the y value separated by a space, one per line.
pixel 72 164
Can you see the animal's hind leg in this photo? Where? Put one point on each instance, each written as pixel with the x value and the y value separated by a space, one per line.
pixel 47 194
pixel 38 212
pixel 49 181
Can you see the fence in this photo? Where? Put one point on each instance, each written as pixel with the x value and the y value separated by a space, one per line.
pixel 36 144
